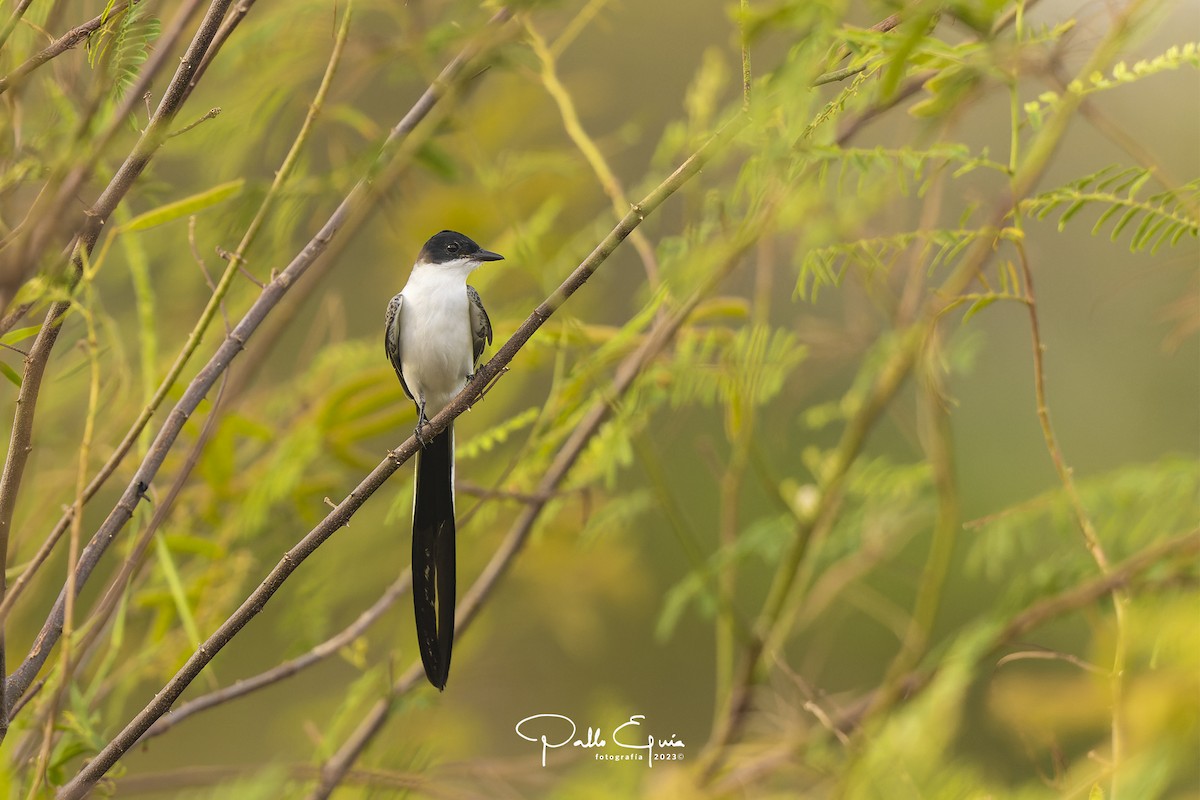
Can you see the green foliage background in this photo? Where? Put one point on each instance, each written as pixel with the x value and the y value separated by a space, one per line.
pixel 727 510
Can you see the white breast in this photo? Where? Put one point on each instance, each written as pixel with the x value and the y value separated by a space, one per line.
pixel 435 334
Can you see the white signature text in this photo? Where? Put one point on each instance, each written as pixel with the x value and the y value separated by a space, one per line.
pixel 555 730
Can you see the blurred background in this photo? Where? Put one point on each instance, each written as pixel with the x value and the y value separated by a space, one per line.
pixel 609 609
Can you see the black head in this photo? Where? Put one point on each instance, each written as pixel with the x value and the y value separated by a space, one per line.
pixel 447 246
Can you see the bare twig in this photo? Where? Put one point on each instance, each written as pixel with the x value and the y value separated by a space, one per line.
pixel 1090 537
pixel 228 26
pixel 591 153
pixel 939 450
pixel 19 447
pixel 68 660
pixel 288 668
pixel 1051 655
pixel 210 114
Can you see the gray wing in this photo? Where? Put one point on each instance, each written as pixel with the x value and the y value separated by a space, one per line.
pixel 391 338
pixel 481 326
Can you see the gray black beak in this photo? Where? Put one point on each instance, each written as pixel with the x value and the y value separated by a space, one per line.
pixel 487 255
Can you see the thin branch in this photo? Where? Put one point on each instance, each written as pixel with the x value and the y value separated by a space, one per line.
pixel 1185 546
pixel 288 668
pixel 744 40
pixel 1091 538
pixel 938 445
pixel 1051 655
pixel 591 153
pixel 212 113
pixel 884 25
pixel 228 26
pixel 68 661
pixel 119 583
pixel 13 20
pixel 19 447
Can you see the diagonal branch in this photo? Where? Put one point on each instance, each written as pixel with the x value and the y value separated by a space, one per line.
pixel 288 668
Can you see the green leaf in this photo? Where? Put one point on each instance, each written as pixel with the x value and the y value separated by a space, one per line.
pixel 20 334
pixel 11 374
pixel 178 592
pixel 977 306
pixel 183 208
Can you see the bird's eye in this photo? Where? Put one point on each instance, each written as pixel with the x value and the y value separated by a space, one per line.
pixel 452 247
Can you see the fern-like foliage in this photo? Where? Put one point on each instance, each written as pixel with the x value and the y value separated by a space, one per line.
pixel 1161 218
pixel 825 266
pixel 488 440
pixel 1176 57
pixel 132 47
pixel 123 45
pixel 1132 506
pixel 909 169
pixel 739 371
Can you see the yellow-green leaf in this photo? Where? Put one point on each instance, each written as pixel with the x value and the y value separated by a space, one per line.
pixel 185 207
pixel 977 306
pixel 11 374
pixel 18 334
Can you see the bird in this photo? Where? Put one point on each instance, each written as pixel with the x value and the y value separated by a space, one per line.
pixel 436 330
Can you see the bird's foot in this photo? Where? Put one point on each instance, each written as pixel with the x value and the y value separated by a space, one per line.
pixel 417 433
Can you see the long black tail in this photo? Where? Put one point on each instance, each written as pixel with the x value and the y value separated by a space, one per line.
pixel 433 555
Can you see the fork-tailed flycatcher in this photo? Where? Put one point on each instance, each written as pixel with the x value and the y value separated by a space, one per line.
pixel 435 333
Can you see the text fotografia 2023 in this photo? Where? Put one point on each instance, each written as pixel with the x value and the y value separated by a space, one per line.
pixel 551 733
